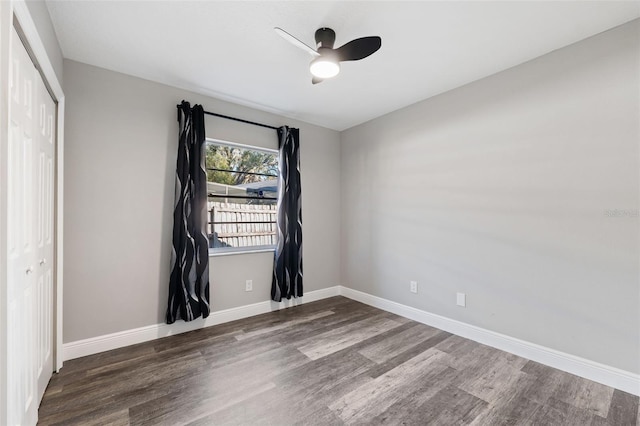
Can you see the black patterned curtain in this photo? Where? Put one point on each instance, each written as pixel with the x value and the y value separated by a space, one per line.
pixel 287 268
pixel 189 279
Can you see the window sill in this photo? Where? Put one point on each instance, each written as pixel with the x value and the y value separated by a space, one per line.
pixel 236 252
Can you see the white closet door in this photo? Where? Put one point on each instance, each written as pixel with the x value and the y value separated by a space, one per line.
pixel 30 237
pixel 45 141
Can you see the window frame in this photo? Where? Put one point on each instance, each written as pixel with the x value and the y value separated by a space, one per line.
pixel 228 251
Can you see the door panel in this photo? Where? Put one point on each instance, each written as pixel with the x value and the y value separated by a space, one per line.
pixel 29 236
pixel 45 129
pixel 21 259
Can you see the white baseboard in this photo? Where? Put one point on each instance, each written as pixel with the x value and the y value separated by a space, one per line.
pixel 121 339
pixel 610 376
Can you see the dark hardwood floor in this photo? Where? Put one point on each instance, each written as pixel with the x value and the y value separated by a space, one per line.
pixel 330 362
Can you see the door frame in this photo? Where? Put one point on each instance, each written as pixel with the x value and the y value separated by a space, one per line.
pixel 9 11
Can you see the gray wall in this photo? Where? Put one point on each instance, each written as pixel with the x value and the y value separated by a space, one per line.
pixel 120 154
pixel 500 189
pixel 40 15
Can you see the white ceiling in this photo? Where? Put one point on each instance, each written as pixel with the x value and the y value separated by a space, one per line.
pixel 228 49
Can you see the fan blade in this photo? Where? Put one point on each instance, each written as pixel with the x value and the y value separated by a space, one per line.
pixel 316 80
pixel 291 39
pixel 359 48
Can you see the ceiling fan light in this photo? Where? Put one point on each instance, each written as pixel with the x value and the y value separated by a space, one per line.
pixel 324 67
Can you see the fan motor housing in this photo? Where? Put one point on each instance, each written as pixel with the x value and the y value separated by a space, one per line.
pixel 325 37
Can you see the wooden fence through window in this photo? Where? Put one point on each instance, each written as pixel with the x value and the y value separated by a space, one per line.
pixel 241 225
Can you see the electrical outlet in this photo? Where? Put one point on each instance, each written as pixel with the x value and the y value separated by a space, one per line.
pixel 248 285
pixel 413 286
pixel 461 299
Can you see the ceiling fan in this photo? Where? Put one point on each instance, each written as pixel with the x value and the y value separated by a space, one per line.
pixel 327 61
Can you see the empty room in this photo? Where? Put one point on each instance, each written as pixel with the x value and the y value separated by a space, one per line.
pixel 319 212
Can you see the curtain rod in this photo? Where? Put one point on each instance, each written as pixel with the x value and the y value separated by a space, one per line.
pixel 238 119
pixel 241 120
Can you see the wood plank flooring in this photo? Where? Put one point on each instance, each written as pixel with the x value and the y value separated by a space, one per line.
pixel 330 362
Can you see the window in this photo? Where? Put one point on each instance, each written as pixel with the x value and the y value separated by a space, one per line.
pixel 242 187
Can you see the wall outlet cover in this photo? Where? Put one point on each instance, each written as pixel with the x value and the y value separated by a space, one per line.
pixel 461 299
pixel 413 286
pixel 248 286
